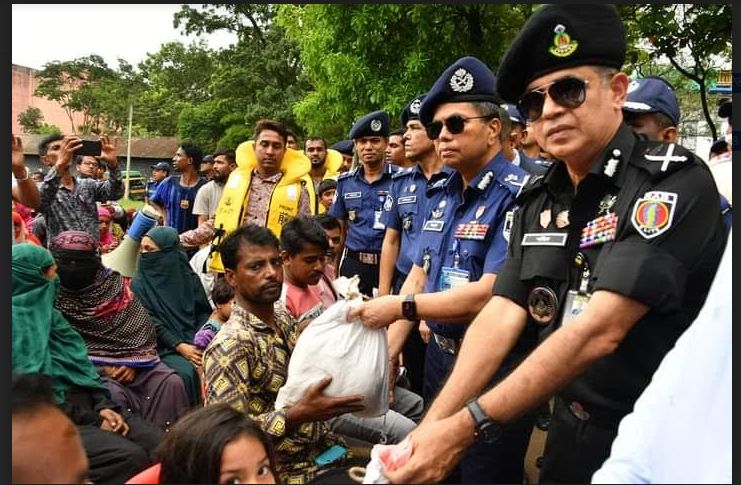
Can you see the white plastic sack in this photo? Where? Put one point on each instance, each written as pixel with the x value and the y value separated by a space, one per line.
pixel 354 355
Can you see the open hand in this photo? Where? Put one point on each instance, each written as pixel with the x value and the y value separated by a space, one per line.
pixel 317 406
pixel 190 352
pixel 112 421
pixel 378 312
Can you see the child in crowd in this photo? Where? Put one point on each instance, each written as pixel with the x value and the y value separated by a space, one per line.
pixel 222 295
pixel 326 191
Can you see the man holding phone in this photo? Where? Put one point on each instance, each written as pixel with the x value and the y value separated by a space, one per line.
pixel 67 202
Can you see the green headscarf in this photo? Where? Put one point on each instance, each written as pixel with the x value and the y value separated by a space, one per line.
pixel 170 290
pixel 43 341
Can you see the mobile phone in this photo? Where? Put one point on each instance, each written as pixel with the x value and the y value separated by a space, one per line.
pixel 330 455
pixel 90 148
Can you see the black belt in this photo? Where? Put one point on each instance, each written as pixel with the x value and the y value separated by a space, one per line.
pixel 448 345
pixel 367 258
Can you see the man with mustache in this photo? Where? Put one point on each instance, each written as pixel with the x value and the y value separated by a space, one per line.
pixel 247 361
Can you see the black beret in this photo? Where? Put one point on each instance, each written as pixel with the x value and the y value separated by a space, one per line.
pixel 514 114
pixel 558 37
pixel 372 124
pixel 343 146
pixel 411 112
pixel 466 80
pixel 725 110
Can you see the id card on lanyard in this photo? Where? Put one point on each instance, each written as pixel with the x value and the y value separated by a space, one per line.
pixel 451 277
pixel 577 300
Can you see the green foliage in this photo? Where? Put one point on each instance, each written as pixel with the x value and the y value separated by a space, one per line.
pixel 233 136
pixel 31 119
pixel 47 129
pixel 365 57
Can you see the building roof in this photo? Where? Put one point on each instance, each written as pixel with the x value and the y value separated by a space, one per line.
pixel 156 148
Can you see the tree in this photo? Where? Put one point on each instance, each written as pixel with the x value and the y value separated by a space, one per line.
pixel 365 57
pixel 31 119
pixel 72 85
pixel 694 39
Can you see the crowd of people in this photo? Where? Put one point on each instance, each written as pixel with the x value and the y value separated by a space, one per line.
pixel 536 241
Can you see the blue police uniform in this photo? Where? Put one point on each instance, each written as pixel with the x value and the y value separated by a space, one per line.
pixel 459 242
pixel 404 211
pixel 360 204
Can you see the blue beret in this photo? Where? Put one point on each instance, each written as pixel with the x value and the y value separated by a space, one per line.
pixel 557 37
pixel 343 146
pixel 514 114
pixel 411 112
pixel 372 124
pixel 466 80
pixel 652 95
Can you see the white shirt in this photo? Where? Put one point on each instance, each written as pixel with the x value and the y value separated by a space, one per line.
pixel 680 428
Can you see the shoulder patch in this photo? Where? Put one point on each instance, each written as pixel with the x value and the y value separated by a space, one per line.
pixel 401 173
pixel 661 159
pixel 532 185
pixel 513 179
pixel 346 175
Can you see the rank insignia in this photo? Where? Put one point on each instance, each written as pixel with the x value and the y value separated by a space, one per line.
pixel 542 304
pixel 479 212
pixel 653 213
pixel 545 218
pixel 437 213
pixel 485 180
pixel 562 219
pixel 606 203
pixel 351 215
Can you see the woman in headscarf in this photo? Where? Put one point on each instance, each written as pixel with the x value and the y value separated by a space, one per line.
pixel 20 232
pixel 108 241
pixel 172 293
pixel 116 441
pixel 120 338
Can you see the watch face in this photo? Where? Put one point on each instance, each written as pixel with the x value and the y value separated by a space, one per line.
pixel 490 432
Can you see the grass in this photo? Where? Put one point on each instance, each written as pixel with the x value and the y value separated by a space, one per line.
pixel 131 204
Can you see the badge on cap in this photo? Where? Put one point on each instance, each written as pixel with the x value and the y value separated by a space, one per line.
pixel 653 213
pixel 414 107
pixel 461 81
pixel 376 125
pixel 542 304
pixel 563 46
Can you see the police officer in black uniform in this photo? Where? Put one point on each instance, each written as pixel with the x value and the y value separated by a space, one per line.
pixel 612 251
pixel 361 194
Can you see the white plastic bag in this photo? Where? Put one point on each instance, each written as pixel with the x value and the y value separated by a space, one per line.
pixel 354 355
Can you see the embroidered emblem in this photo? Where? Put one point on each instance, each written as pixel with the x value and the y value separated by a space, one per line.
pixel 184 203
pixel 545 218
pixel 562 219
pixel 479 212
pixel 461 81
pixel 542 304
pixel 563 46
pixel 442 204
pixel 376 125
pixel 351 215
pixel 485 180
pixel 412 188
pixel 667 158
pixel 414 107
pixel 653 213
pixel 389 203
pixel 606 203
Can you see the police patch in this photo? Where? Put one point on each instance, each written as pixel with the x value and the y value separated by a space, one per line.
pixel 461 81
pixel 414 107
pixel 653 213
pixel 376 125
pixel 389 204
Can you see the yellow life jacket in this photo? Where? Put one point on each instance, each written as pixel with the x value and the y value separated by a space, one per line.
pixel 232 209
pixel 332 162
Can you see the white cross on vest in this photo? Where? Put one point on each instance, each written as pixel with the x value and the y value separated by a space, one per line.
pixel 668 158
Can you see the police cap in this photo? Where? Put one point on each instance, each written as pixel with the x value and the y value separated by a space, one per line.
pixel 652 95
pixel 411 111
pixel 557 37
pixel 466 80
pixel 343 146
pixel 514 114
pixel 372 124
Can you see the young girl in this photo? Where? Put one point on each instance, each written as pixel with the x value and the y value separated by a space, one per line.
pixel 222 295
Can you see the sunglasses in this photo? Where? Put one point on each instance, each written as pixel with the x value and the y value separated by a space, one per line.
pixel 454 124
pixel 568 92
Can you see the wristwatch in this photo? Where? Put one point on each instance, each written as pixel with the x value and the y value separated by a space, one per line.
pixel 487 430
pixel 409 308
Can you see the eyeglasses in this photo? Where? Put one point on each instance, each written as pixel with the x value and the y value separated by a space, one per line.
pixel 454 124
pixel 568 92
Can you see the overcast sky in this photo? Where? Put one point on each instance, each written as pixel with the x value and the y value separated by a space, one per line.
pixel 45 33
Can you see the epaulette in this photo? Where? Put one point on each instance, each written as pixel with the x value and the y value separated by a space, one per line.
pixel 661 159
pixel 532 185
pixel 512 178
pixel 403 172
pixel 348 174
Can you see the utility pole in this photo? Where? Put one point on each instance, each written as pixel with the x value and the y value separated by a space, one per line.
pixel 128 155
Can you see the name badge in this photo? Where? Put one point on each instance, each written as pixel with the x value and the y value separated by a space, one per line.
pixel 410 199
pixel 377 224
pixel 436 226
pixel 545 239
pixel 453 277
pixel 353 195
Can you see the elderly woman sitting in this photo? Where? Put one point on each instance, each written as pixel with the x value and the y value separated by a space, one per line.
pixel 117 330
